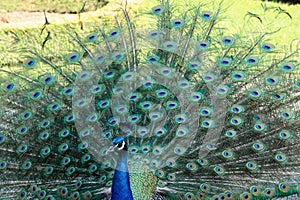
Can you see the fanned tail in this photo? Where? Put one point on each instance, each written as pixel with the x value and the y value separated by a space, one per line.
pixel 206 113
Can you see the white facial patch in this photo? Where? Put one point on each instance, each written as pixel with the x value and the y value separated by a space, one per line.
pixel 123 145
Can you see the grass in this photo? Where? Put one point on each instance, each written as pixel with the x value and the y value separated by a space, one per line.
pixel 58 6
pixel 233 16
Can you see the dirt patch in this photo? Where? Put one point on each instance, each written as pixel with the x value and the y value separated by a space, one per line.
pixel 18 19
pixel 34 19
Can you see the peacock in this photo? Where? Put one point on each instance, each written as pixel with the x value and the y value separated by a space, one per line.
pixel 167 103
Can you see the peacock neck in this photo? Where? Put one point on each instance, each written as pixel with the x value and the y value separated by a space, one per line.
pixel 121 185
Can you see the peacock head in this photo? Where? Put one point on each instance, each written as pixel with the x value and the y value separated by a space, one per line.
pixel 119 143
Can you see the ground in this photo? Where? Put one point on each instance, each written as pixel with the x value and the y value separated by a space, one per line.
pixel 18 19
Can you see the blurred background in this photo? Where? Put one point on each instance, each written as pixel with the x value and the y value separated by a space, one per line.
pixel 19 18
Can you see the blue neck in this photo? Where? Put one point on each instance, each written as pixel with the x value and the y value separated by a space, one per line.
pixel 121 185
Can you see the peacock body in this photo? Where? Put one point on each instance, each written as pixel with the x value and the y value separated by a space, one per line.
pixel 181 109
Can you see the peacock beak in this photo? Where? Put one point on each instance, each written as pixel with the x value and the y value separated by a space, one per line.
pixel 112 148
pixel 119 146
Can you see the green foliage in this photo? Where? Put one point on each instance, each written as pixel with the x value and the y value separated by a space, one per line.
pixel 10 54
pixel 286 1
pixel 14 42
pixel 58 6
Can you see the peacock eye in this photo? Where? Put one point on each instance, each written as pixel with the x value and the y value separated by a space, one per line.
pixel 121 145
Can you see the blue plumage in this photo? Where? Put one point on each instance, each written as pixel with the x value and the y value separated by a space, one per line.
pixel 121 185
